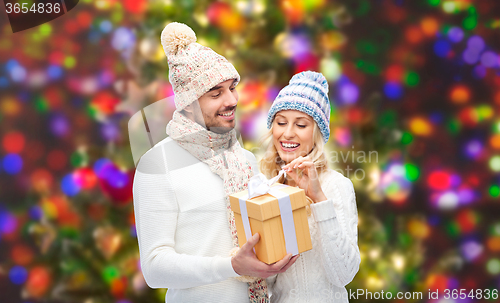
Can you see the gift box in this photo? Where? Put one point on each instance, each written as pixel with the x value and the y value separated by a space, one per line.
pixel 280 218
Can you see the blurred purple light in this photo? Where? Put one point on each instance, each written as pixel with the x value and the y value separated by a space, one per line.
pixel 470 56
pixel 35 212
pixel 18 73
pixel 110 132
pixel 473 148
pixel 465 196
pixel 489 59
pixel 123 38
pixel 455 180
pixel 59 125
pixel 471 250
pixel 349 93
pixel 475 43
pixel 480 71
pixel 455 34
pixel 99 166
pixel 272 93
pixel 298 46
pixel 8 222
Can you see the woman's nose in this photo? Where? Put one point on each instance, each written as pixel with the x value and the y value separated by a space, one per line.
pixel 289 133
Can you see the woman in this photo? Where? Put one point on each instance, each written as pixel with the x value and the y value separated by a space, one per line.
pixel 299 127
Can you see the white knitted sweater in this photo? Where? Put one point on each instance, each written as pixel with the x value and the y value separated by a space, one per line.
pixel 182 227
pixel 319 275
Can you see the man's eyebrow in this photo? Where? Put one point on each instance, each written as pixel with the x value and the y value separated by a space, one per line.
pixel 220 86
pixel 215 87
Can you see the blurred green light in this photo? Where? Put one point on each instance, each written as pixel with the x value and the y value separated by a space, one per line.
pixel 495 229
pixel 495 163
pixel 331 69
pixel 387 118
pixel 493 266
pixel 454 126
pixel 78 159
pixel 450 7
pixel 496 127
pixel 453 229
pixel 110 273
pixel 366 47
pixel 412 172
pixel 406 138
pixel 405 239
pixel 433 2
pixel 69 62
pixel 484 112
pixel 363 7
pixel 470 23
pixel 41 104
pixel 412 79
pixel 494 191
pixel 368 67
pixel 45 29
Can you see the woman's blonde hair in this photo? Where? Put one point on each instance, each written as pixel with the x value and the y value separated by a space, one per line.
pixel 271 162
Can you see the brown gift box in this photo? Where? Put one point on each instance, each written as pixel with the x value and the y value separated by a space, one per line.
pixel 265 219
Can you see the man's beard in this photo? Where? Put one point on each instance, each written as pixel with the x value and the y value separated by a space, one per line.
pixel 214 125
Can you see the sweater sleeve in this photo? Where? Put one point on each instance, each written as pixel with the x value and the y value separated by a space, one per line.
pixel 156 212
pixel 337 220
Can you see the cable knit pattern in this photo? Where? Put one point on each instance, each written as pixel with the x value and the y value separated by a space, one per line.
pixel 320 275
pixel 182 228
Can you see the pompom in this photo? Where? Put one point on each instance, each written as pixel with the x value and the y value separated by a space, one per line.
pixel 310 76
pixel 176 36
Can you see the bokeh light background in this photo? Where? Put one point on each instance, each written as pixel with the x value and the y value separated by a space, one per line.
pixel 414 87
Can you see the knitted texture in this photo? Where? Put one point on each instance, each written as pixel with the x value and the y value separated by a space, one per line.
pixel 193 69
pixel 320 275
pixel 182 227
pixel 223 155
pixel 307 92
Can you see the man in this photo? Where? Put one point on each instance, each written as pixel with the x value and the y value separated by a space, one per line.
pixel 185 227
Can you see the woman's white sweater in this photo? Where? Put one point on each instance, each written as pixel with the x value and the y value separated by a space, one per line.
pixel 182 227
pixel 320 275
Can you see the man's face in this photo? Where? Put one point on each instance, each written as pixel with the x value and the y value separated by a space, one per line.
pixel 218 107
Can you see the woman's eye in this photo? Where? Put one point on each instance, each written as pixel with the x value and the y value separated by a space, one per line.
pixel 232 88
pixel 301 126
pixel 281 123
pixel 215 96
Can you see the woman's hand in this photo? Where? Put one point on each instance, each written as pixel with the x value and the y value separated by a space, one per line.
pixel 309 180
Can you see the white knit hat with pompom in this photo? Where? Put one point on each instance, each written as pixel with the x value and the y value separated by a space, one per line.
pixel 193 68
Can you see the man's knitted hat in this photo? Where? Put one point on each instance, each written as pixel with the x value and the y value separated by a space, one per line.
pixel 193 68
pixel 307 92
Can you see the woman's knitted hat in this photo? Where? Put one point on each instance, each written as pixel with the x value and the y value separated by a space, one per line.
pixel 307 92
pixel 193 68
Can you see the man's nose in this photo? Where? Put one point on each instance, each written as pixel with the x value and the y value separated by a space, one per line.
pixel 230 99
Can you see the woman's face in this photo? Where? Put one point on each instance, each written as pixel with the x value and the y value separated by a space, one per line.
pixel 293 134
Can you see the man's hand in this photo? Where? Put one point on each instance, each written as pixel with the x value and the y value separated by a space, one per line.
pixel 245 263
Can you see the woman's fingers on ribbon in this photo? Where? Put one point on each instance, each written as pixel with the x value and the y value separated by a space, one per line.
pixel 296 162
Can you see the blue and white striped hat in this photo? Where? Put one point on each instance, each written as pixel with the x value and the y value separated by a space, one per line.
pixel 307 92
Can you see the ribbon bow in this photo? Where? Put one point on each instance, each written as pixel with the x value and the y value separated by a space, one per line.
pixel 258 185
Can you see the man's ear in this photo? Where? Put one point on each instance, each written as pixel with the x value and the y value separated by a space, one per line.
pixel 188 108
